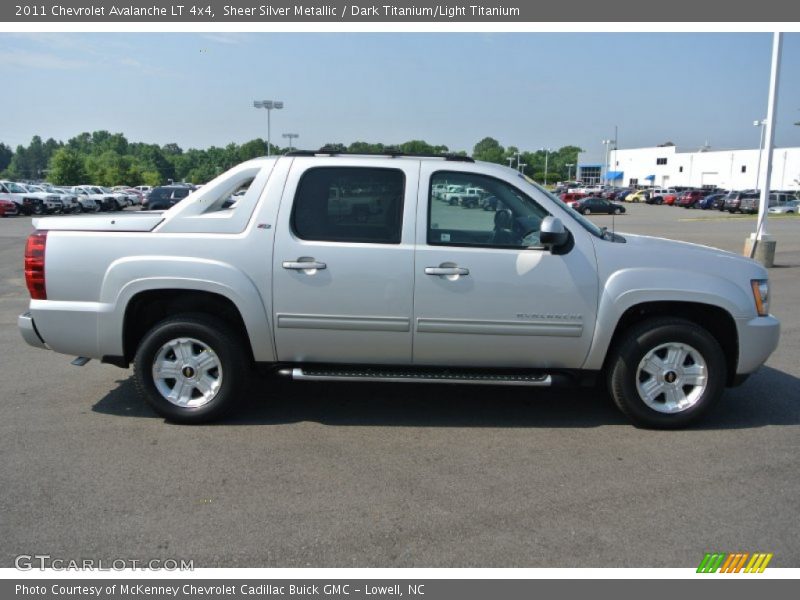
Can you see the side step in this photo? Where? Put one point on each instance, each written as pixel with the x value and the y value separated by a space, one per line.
pixel 420 376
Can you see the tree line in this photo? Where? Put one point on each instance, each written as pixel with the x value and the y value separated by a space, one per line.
pixel 109 159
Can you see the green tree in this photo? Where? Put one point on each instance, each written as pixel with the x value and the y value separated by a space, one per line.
pixel 151 158
pixel 6 154
pixel 489 150
pixel 365 148
pixel 171 149
pixel 416 147
pixel 20 167
pixel 252 149
pixel 67 168
pixel 82 143
pixel 152 178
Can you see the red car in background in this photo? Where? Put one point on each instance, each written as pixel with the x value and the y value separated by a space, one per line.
pixel 691 197
pixel 8 207
pixel 572 198
pixel 671 199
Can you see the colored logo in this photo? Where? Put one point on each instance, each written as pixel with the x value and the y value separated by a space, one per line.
pixel 739 562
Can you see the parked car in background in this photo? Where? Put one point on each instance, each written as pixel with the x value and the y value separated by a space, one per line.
pixel 571 197
pixel 781 198
pixel 166 196
pixel 623 195
pixel 144 189
pixel 87 192
pixel 472 197
pixel 8 207
pixel 688 198
pixel 438 190
pixel 136 195
pixel 52 202
pixel 733 201
pixel 750 204
pixel 107 201
pixel 792 207
pixel 70 200
pixel 453 194
pixel 85 199
pixel 662 196
pixel 27 203
pixel 638 196
pixel 712 201
pixel 595 204
pixel 594 190
pixel 121 199
pixel 671 198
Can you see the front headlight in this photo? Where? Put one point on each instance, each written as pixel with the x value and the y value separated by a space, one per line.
pixel 761 296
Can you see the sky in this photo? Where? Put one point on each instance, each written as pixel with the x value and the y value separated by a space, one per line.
pixel 530 90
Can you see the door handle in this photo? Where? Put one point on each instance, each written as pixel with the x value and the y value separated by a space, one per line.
pixel 446 271
pixel 304 265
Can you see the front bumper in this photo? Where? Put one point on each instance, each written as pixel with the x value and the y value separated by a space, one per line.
pixel 28 331
pixel 758 338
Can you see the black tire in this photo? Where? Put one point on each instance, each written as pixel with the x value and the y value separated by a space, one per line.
pixel 38 209
pixel 586 211
pixel 636 344
pixel 617 211
pixel 223 341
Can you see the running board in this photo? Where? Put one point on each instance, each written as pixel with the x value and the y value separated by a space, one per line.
pixel 410 376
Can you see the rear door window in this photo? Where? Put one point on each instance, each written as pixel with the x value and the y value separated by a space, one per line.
pixel 349 204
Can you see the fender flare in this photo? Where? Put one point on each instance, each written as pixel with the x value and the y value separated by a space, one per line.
pixel 628 288
pixel 129 276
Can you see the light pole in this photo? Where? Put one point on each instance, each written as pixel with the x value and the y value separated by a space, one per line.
pixel 762 244
pixel 547 152
pixel 510 162
pixel 569 170
pixel 762 123
pixel 269 105
pixel 291 136
pixel 607 144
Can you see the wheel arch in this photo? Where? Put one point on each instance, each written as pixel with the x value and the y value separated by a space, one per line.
pixel 148 307
pixel 714 319
pixel 179 285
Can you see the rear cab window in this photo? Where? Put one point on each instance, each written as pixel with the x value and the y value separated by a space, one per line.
pixel 349 204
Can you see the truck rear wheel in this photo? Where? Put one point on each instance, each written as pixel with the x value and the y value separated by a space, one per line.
pixel 189 368
pixel 666 373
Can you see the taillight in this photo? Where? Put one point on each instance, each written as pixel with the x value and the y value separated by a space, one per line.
pixel 34 265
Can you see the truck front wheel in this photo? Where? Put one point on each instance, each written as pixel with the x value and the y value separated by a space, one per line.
pixel 189 368
pixel 666 373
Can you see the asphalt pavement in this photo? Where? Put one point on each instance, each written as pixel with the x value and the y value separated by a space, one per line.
pixel 407 475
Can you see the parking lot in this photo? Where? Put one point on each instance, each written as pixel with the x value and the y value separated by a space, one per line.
pixel 382 475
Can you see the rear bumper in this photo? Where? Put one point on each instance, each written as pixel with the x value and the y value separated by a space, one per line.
pixel 27 329
pixel 758 338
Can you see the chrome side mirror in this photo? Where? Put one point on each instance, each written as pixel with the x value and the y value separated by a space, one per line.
pixel 552 233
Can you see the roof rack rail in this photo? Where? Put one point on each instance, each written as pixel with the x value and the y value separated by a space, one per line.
pixel 390 153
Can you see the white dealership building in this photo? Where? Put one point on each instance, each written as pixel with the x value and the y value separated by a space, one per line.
pixel 665 166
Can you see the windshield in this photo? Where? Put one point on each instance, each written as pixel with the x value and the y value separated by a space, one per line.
pixel 582 221
pixel 15 188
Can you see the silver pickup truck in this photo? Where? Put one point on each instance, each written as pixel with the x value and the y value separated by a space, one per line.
pixel 412 291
